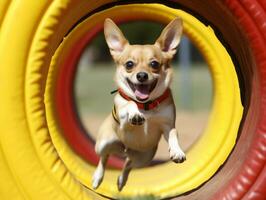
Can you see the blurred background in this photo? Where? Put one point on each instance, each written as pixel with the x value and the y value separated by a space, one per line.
pixel 192 85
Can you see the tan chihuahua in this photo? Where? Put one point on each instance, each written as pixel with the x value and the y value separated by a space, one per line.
pixel 143 107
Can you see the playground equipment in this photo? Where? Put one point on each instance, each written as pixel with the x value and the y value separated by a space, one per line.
pixel 44 153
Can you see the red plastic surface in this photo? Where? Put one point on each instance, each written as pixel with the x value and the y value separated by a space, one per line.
pixel 73 132
pixel 250 182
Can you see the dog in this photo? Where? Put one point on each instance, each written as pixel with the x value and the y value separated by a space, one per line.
pixel 143 107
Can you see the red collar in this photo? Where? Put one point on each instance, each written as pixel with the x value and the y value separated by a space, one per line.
pixel 150 104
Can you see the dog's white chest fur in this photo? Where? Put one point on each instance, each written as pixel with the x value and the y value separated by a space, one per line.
pixel 147 135
pixel 138 138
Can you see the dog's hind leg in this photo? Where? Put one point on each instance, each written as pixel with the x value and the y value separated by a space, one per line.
pixel 122 179
pixel 99 172
pixel 107 143
pixel 135 159
pixel 105 148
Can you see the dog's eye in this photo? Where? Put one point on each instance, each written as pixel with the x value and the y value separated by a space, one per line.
pixel 155 64
pixel 129 65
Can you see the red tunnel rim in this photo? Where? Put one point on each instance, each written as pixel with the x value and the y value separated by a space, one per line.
pixel 73 130
pixel 235 7
pixel 251 15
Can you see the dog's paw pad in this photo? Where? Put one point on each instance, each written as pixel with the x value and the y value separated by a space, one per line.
pixel 177 156
pixel 137 119
pixel 179 159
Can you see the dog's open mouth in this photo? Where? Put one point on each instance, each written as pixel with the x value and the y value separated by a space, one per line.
pixel 142 91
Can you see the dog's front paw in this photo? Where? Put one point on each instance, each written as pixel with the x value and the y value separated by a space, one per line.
pixel 136 119
pixel 177 155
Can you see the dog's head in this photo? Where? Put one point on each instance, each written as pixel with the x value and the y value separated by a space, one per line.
pixel 143 71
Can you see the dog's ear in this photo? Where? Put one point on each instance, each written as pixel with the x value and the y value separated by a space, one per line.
pixel 170 37
pixel 114 37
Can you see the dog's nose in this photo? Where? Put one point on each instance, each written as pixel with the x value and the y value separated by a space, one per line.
pixel 142 76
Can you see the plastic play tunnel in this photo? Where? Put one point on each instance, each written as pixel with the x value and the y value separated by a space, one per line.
pixel 44 152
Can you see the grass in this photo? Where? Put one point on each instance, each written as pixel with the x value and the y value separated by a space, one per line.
pixel 94 84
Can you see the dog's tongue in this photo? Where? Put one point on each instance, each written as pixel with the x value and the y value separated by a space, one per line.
pixel 142 92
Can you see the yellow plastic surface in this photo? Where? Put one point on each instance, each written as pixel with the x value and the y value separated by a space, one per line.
pixel 35 160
